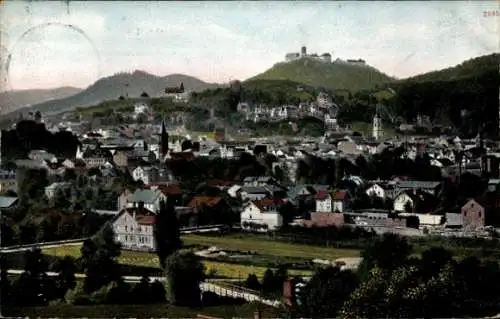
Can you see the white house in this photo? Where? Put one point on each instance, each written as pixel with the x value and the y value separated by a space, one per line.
pixel 327 202
pixel 52 189
pixel 426 219
pixel 134 229
pixel 323 202
pixel 261 215
pixel 234 190
pixel 140 108
pixel 150 199
pixel 401 201
pixel 376 190
pixel 144 174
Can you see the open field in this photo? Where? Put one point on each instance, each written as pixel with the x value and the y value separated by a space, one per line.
pixel 270 247
pixel 139 311
pixel 227 270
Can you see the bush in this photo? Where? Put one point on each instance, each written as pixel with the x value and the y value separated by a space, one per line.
pixel 77 295
pixel 252 282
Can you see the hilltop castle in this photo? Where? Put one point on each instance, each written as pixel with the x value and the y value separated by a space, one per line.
pixel 325 57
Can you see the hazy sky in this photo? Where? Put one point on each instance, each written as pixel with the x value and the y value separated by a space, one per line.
pixel 220 41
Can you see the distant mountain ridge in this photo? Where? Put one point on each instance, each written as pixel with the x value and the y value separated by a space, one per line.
pixel 12 100
pixel 472 67
pixel 333 76
pixel 122 84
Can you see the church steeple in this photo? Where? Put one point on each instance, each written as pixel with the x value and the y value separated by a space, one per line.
pixel 163 145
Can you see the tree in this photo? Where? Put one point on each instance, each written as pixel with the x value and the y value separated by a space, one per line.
pixel 408 207
pixel 325 293
pixel 31 186
pixel 45 231
pixel 166 232
pixel 252 282
pixel 287 212
pixel 280 275
pixel 268 281
pixel 61 200
pixel 5 284
pixel 387 253
pixel 6 233
pixel 183 272
pixel 69 175
pixel 32 288
pixel 66 279
pixel 141 292
pixel 98 260
pixel 433 260
pixel 157 292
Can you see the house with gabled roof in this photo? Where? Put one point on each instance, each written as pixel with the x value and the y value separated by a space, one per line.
pixel 414 201
pixel 133 228
pixel 336 201
pixel 148 198
pixel 199 201
pixel 431 187
pixel 261 215
pixel 7 203
pixel 254 193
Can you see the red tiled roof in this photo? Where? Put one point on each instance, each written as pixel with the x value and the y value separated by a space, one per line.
pixel 172 189
pixel 219 182
pixel 139 211
pixel 267 204
pixel 322 195
pixel 146 220
pixel 340 195
pixel 198 201
pixel 181 155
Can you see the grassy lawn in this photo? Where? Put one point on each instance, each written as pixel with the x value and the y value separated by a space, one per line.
pixel 150 260
pixel 242 271
pixel 139 311
pixel 270 247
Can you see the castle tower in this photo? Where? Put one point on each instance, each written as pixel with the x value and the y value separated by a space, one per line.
pixel 377 132
pixel 163 144
pixel 303 51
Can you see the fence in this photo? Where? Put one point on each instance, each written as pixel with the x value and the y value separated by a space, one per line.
pixel 237 293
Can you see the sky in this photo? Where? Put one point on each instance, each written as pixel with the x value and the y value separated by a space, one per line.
pixel 71 43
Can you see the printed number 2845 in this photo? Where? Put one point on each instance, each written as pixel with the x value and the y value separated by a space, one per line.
pixel 491 13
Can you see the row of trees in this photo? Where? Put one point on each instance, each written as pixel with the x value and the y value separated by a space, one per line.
pixel 30 135
pixel 67 215
pixel 391 283
pixel 102 282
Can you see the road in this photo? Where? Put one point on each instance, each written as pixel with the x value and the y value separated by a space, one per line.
pixel 76 242
pixel 130 279
pixel 40 245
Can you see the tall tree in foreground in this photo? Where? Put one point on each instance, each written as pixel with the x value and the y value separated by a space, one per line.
pixel 386 253
pixel 166 232
pixel 184 272
pixel 325 293
pixel 66 278
pixel 31 288
pixel 99 260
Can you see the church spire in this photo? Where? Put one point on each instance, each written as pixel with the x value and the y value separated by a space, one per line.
pixel 163 146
